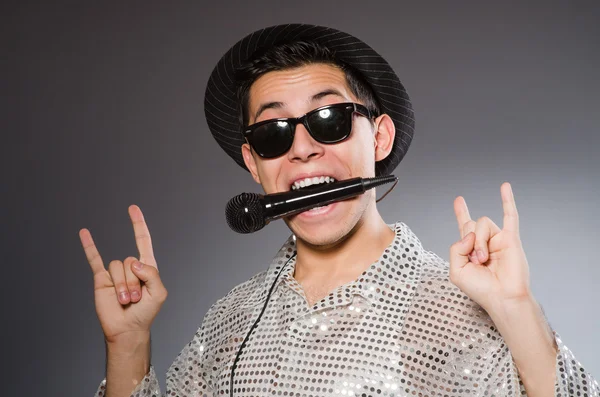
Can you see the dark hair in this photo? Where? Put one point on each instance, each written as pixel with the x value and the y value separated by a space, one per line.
pixel 296 54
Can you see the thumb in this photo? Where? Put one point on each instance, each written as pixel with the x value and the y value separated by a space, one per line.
pixel 149 275
pixel 459 252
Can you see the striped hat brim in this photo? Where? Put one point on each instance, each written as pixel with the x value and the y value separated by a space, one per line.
pixel 221 103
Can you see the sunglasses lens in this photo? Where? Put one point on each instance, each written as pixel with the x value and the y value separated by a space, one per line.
pixel 272 139
pixel 330 125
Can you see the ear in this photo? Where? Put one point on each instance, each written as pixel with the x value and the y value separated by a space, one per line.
pixel 249 161
pixel 385 132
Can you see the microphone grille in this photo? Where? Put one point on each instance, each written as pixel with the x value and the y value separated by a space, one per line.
pixel 244 213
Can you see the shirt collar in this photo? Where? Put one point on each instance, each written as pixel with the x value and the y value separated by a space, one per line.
pixel 395 275
pixel 395 272
pixel 282 266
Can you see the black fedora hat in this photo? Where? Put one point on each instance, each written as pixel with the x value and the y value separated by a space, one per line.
pixel 221 103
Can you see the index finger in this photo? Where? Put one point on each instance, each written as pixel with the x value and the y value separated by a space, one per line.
pixel 142 236
pixel 462 213
pixel 91 252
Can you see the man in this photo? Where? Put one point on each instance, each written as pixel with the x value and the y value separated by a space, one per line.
pixel 350 305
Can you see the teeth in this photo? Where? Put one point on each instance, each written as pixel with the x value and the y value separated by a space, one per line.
pixel 312 181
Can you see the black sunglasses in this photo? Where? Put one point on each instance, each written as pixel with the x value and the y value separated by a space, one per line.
pixel 326 124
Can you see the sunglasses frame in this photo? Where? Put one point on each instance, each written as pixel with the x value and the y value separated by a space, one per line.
pixel 294 121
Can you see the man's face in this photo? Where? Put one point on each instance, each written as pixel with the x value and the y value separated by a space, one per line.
pixel 292 93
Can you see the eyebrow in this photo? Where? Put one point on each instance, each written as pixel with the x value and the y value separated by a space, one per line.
pixel 314 98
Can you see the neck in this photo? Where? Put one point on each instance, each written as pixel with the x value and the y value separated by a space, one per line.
pixel 345 260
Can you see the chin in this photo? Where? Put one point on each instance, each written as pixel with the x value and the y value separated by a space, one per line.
pixel 326 227
pixel 323 239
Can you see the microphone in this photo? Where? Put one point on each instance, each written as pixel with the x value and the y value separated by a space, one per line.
pixel 250 212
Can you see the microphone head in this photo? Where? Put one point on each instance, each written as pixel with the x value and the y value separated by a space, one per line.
pixel 244 213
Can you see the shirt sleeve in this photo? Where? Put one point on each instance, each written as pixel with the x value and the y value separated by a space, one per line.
pixel 188 376
pixel 147 387
pixel 571 378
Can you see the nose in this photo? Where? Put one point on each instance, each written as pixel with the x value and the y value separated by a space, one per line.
pixel 304 146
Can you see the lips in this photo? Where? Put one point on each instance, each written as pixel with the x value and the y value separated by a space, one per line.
pixel 317 212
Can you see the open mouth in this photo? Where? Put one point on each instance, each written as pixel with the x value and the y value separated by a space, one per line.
pixel 312 183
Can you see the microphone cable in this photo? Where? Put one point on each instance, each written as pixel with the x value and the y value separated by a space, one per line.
pixel 386 193
pixel 255 325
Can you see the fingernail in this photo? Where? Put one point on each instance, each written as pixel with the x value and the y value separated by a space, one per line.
pixel 124 296
pixel 137 265
pixel 135 295
pixel 481 255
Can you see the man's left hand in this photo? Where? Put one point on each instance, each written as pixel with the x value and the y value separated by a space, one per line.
pixel 488 263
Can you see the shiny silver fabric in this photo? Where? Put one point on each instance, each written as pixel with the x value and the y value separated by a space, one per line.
pixel 401 329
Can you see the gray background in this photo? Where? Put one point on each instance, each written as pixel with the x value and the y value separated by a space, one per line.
pixel 102 108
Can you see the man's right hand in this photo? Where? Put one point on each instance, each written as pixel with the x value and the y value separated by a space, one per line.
pixel 129 294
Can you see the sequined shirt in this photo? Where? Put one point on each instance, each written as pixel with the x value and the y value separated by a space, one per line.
pixel 400 329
